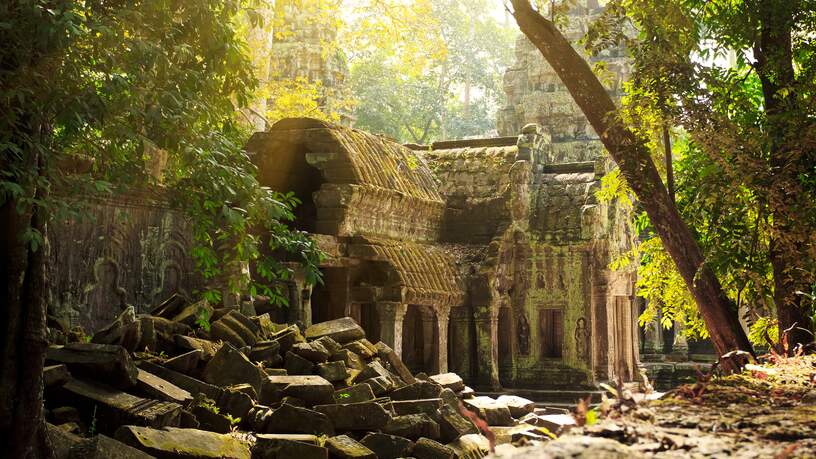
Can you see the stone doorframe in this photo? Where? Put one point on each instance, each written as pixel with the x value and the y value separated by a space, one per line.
pixel 392 316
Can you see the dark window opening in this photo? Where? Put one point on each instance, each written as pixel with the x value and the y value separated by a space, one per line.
pixel 551 334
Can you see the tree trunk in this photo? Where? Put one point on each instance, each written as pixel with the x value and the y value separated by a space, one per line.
pixel 23 318
pixel 633 158
pixel 774 56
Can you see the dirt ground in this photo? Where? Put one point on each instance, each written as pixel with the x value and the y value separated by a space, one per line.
pixel 768 411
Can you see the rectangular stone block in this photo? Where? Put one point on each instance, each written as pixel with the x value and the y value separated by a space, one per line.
pixel 107 362
pixel 114 407
pixel 355 416
pixel 158 388
pixel 298 446
pixel 175 442
pixel 313 390
pixel 342 330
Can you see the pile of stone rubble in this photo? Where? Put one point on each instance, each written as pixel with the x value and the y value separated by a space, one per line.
pixel 196 382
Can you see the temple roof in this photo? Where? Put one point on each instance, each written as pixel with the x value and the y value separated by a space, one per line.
pixel 343 156
pixel 418 273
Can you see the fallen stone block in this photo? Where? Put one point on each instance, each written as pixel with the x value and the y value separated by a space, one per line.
pixel 333 371
pixel 329 344
pixel 114 407
pixel 106 362
pixel 56 375
pixel 395 362
pixel 287 338
pixel 229 401
pixel 417 390
pixel 187 420
pixel 518 406
pixel 314 390
pixel 158 388
pixel 555 423
pixel 496 414
pixel 387 446
pixel 244 389
pixel 374 370
pixel 517 433
pixel 380 385
pixel 266 352
pixel 64 414
pixel 230 366
pixel 210 419
pixel 183 443
pixel 297 365
pixel 471 446
pixel 278 446
pixel 264 323
pixel 450 381
pixel 170 307
pixel 412 426
pixel 114 332
pixel 72 427
pixel 453 425
pixel 193 313
pixel 235 328
pixel 361 347
pixel 313 351
pixel 450 399
pixel 343 446
pixel 428 406
pixel 354 394
pixel 188 383
pixel 293 419
pixel 425 448
pixel 207 348
pixel 342 330
pixel 67 445
pixel 355 416
pixel 350 359
pixel 185 363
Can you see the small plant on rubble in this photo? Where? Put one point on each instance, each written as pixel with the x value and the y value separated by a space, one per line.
pixel 234 421
pixel 203 319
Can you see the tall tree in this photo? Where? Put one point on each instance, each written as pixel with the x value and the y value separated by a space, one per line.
pixel 117 86
pixel 633 156
pixel 737 77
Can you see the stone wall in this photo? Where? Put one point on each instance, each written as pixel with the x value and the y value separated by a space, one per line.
pixel 535 94
pixel 126 250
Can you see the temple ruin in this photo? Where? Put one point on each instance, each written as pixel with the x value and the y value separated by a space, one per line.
pixel 486 249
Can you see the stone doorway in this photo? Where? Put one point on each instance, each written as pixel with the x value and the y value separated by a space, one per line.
pixel 330 299
pixel 418 338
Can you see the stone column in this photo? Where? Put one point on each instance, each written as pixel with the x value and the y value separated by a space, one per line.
pixel 653 338
pixel 428 339
pixel 680 345
pixel 486 320
pixel 442 317
pixel 391 317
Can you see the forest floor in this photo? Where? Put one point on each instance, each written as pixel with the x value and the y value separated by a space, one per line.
pixel 767 411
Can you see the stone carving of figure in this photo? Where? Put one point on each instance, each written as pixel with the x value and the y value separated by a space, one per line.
pixel 523 335
pixel 581 339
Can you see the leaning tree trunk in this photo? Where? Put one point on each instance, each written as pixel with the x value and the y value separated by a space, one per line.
pixel 23 319
pixel 633 158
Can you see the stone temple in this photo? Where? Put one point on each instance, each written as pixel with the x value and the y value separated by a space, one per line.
pixel 485 257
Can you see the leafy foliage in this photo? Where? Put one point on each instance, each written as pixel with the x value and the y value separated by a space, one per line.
pixel 451 90
pixel 147 93
pixel 744 150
